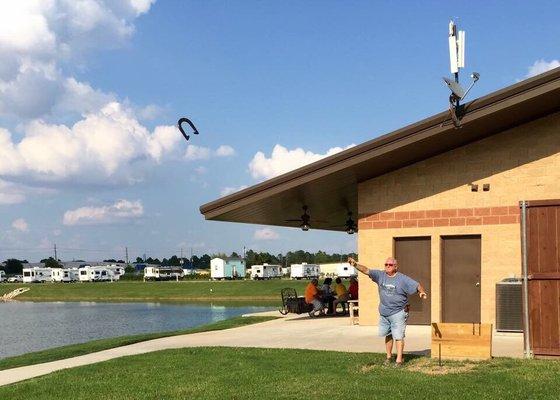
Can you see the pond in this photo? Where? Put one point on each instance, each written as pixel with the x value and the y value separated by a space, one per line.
pixel 32 326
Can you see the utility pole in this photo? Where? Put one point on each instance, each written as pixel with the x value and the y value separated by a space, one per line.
pixel 126 253
pixel 181 261
pixel 55 255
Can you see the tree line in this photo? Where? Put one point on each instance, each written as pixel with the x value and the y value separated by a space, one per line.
pixel 15 266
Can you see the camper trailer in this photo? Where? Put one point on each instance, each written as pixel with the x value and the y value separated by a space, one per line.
pixel 345 270
pixel 342 270
pixel 285 271
pixel 65 275
pixel 304 271
pixel 163 273
pixel 37 275
pixel 95 274
pixel 227 268
pixel 265 271
pixel 2 276
pixel 118 271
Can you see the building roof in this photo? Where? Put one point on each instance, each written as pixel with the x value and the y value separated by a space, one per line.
pixel 329 186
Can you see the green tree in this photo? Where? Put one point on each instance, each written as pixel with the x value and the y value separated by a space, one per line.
pixel 139 260
pixel 13 266
pixel 52 263
pixel 129 269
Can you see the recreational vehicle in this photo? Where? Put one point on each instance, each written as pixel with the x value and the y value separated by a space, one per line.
pixel 286 271
pixel 265 271
pixel 342 270
pixel 304 271
pixel 163 273
pixel 95 274
pixel 37 274
pixel 118 271
pixel 227 268
pixel 2 276
pixel 65 274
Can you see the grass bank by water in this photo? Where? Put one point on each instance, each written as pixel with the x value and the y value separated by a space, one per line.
pixel 182 291
pixel 74 350
pixel 244 373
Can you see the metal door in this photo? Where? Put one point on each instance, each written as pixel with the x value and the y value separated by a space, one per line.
pixel 460 279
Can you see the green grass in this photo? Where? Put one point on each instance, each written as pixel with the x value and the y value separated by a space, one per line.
pixel 244 373
pixel 183 291
pixel 79 349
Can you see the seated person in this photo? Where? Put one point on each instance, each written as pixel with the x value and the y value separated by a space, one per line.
pixel 313 296
pixel 353 289
pixel 341 293
pixel 328 294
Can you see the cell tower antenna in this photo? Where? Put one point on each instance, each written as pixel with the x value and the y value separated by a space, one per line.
pixel 456 62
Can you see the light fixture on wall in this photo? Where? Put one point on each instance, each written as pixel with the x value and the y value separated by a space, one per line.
pixel 486 187
pixel 474 187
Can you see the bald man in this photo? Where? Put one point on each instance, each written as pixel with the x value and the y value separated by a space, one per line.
pixel 394 289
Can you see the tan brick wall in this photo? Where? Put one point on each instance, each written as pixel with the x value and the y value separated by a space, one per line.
pixel 519 164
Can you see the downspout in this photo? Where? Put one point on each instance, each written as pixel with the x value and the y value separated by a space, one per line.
pixel 526 334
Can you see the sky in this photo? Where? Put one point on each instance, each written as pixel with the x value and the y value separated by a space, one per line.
pixel 90 91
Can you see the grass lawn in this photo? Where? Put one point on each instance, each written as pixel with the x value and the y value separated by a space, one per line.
pixel 230 373
pixel 74 350
pixel 253 291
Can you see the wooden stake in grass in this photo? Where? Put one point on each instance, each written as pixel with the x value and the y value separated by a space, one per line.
pixel 440 355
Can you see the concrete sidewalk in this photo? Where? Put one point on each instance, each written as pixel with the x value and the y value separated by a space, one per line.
pixel 294 332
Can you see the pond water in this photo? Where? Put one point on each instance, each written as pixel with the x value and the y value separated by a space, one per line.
pixel 31 326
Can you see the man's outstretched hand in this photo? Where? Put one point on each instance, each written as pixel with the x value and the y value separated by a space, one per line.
pixel 351 261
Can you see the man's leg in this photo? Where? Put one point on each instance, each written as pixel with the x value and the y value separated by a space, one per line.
pixel 389 346
pixel 400 349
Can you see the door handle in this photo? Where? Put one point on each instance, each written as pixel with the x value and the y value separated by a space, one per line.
pixel 477 284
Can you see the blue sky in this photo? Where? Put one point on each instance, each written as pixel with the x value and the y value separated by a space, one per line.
pixel 90 91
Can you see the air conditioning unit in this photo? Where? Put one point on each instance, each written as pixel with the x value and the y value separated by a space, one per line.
pixel 509 309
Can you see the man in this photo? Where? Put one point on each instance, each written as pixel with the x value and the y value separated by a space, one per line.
pixel 353 289
pixel 394 289
pixel 341 293
pixel 313 296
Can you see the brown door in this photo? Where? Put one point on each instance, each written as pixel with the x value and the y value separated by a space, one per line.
pixel 543 265
pixel 460 279
pixel 414 258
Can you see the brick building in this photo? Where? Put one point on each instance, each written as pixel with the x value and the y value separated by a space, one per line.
pixel 446 203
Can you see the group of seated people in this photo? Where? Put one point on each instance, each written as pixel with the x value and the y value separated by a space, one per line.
pixel 325 295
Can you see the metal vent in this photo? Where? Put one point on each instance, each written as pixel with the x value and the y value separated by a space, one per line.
pixel 509 316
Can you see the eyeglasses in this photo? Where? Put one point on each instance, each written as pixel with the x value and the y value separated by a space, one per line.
pixel 389 265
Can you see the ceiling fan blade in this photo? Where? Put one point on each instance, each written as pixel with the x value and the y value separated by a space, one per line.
pixel 293 220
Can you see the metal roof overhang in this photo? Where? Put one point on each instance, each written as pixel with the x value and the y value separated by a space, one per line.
pixel 329 187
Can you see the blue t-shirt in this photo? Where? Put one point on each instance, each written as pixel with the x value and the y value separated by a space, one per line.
pixel 393 291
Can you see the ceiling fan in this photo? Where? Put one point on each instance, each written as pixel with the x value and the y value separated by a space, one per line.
pixel 304 220
pixel 350 225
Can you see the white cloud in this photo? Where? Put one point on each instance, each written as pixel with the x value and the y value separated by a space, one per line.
pixel 265 234
pixel 122 210
pixel 200 170
pixel 106 147
pixel 20 225
pixel 541 66
pixel 225 151
pixel 37 38
pixel 229 190
pixel 9 192
pixel 283 160
pixel 195 152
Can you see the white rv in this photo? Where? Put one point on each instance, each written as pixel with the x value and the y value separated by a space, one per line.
pixel 65 274
pixel 95 274
pixel 2 276
pixel 163 273
pixel 286 271
pixel 37 274
pixel 345 270
pixel 118 271
pixel 265 271
pixel 304 271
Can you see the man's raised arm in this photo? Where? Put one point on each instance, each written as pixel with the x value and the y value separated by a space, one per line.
pixel 362 268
